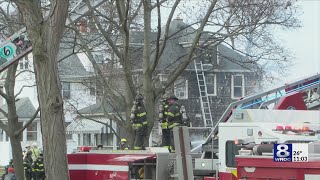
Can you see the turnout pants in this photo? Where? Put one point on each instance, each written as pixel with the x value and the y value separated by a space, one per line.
pixel 28 174
pixel 166 138
pixel 140 135
pixel 39 176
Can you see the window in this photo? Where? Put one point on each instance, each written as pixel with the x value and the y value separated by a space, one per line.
pixel 92 88
pixel 86 139
pixel 211 84
pixel 68 135
pixel 231 151
pixel 163 79
pixel 66 90
pixel 237 86
pixel 181 88
pixel 105 139
pixel 24 63
pixel 210 57
pixel 32 132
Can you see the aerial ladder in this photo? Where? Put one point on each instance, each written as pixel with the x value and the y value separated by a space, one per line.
pixel 17 45
pixel 308 88
pixel 204 99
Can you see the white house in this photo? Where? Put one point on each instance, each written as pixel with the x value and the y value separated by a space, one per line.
pixel 76 92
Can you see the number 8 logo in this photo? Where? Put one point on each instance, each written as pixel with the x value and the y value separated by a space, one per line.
pixel 282 151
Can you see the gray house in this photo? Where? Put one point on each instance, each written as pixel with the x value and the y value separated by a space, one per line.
pixel 217 76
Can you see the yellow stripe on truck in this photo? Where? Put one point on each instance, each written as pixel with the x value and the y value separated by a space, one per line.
pixel 234 172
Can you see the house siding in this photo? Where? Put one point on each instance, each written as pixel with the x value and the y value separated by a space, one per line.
pixel 218 103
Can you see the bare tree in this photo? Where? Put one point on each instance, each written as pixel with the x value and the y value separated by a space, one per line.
pixel 12 128
pixel 229 21
pixel 45 33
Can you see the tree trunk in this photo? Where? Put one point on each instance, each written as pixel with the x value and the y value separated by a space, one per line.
pixel 52 119
pixel 13 121
pixel 17 156
pixel 45 35
pixel 147 72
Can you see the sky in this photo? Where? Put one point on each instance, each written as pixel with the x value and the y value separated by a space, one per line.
pixel 304 42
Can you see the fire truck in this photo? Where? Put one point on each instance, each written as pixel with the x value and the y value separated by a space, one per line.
pixel 239 147
pixel 287 114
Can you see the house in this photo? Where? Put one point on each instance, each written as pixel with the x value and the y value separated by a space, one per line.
pixel 25 110
pixel 227 75
pixel 75 92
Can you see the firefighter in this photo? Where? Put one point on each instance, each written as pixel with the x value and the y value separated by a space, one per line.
pixel 27 163
pixel 10 175
pixel 35 151
pixel 7 168
pixel 174 117
pixel 163 110
pixel 38 168
pixel 123 144
pixel 139 122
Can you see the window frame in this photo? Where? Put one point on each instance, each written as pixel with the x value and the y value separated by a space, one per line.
pixel 32 131
pixel 214 83
pixel 24 63
pixel 66 93
pixel 186 88
pixel 233 86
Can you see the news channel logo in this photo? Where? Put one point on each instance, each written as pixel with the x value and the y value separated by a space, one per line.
pixel 290 153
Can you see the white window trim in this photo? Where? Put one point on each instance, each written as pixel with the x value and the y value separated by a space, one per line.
pixel 186 93
pixel 214 85
pixel 232 86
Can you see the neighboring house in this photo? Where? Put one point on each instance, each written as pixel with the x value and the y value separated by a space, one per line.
pixel 31 135
pixel 93 128
pixel 75 91
pixel 227 74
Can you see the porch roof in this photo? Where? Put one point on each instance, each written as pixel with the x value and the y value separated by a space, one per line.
pixel 92 125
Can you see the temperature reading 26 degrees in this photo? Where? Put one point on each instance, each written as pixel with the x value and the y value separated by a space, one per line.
pixel 297 153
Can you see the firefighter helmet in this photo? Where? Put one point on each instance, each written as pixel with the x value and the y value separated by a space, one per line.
pixel 172 96
pixel 164 98
pixel 139 97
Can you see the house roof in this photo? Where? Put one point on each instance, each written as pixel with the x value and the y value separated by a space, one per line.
pixel 174 52
pixel 69 63
pixel 70 66
pixel 24 107
pixel 100 108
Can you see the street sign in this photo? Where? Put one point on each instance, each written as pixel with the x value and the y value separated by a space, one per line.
pixel 11 51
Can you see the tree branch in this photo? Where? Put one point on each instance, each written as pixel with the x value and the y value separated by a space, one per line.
pixel 5 96
pixel 4 113
pixel 166 34
pixel 24 86
pixel 3 126
pixel 97 69
pixel 81 115
pixel 193 46
pixel 19 131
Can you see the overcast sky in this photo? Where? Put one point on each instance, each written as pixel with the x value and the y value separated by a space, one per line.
pixel 305 42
